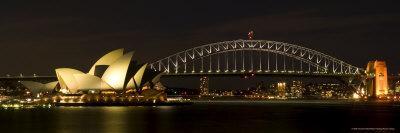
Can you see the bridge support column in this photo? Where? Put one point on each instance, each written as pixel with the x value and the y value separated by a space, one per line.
pixel 377 79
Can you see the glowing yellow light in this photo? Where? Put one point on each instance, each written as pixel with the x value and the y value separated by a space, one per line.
pixel 356 96
pixel 65 91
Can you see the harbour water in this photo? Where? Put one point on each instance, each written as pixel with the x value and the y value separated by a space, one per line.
pixel 206 117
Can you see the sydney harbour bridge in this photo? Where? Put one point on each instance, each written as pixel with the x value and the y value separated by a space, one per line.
pixel 254 56
pixel 238 57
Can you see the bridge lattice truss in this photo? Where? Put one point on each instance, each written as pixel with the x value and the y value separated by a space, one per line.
pixel 253 56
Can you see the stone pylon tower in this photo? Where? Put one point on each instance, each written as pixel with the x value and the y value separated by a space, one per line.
pixel 377 78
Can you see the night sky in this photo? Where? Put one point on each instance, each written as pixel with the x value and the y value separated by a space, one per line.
pixel 37 37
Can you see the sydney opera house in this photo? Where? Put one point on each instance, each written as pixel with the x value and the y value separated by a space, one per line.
pixel 114 76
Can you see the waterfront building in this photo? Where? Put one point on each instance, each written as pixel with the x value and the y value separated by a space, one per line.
pixel 326 90
pixel 204 85
pixel 281 89
pixel 297 89
pixel 397 88
pixel 114 73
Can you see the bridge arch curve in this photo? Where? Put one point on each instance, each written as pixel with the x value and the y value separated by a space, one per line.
pixel 258 56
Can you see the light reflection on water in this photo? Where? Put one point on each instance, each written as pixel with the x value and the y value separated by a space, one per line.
pixel 113 119
pixel 203 117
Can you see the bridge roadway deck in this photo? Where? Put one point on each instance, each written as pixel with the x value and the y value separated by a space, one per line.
pixel 277 74
pixel 28 78
pixel 213 74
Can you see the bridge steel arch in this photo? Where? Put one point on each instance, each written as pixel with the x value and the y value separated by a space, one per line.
pixel 253 56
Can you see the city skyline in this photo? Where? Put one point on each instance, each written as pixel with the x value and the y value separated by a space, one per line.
pixel 36 34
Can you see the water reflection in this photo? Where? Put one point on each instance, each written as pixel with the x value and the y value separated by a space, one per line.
pixel 114 119
pixel 202 117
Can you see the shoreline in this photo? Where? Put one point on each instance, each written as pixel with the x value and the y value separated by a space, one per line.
pixel 214 102
pixel 123 104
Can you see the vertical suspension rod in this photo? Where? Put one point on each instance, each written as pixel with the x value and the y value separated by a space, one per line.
pixel 218 62
pixel 234 59
pixel 276 61
pixel 284 63
pixel 210 63
pixel 268 60
pixel 227 61
pixel 260 59
pixel 242 60
pixel 202 64
pixel 251 60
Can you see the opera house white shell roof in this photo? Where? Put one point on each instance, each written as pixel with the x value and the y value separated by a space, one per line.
pixel 114 77
pixel 115 74
pixel 107 59
pixel 67 80
pixel 87 81
pixel 36 87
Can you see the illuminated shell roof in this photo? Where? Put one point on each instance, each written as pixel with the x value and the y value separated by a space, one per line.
pixel 114 77
pixel 136 80
pixel 36 87
pixel 107 59
pixel 115 74
pixel 67 80
pixel 87 81
pixel 51 85
pixel 157 78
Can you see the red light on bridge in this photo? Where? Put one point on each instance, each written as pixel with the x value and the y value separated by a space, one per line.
pixel 251 35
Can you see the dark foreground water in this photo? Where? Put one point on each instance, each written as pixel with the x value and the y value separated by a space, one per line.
pixel 204 117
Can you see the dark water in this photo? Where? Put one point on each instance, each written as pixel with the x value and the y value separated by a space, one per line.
pixel 204 117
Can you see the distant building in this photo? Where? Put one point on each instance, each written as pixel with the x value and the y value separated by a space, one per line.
pixel 397 87
pixel 325 90
pixel 281 88
pixel 296 89
pixel 204 90
pixel 377 82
